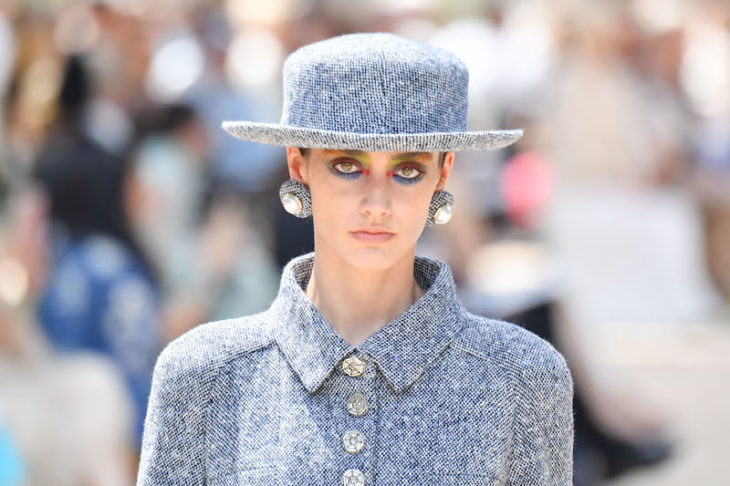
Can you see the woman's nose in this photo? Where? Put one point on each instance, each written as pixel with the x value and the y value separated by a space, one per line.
pixel 376 200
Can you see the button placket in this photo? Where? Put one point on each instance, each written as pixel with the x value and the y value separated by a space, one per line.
pixel 360 375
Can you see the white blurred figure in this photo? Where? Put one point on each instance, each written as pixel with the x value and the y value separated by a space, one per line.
pixel 705 79
pixel 630 238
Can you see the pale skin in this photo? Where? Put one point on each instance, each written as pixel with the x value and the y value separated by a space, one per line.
pixel 369 208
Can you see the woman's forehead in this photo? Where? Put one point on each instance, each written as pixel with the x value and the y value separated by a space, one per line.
pixel 394 156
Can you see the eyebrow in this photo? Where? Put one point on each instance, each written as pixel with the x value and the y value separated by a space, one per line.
pixel 411 155
pixel 353 153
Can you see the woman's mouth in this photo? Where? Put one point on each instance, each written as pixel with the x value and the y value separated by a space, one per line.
pixel 372 235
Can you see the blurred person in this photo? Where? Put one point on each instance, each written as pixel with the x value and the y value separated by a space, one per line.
pixel 616 179
pixel 240 268
pixel 215 97
pixel 101 291
pixel 8 48
pixel 68 417
pixel 366 369
pixel 619 219
pixel 694 148
pixel 705 74
pixel 168 180
pixel 709 183
pixel 212 260
pixel 28 101
pixel 118 58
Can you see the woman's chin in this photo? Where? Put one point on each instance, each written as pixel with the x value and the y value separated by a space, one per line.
pixel 373 258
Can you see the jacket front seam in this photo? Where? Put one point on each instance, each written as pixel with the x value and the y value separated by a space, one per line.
pixel 513 387
pixel 213 382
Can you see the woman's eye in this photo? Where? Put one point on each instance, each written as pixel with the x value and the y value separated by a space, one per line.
pixel 407 172
pixel 346 167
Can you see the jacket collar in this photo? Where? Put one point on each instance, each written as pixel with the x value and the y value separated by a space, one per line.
pixel 402 349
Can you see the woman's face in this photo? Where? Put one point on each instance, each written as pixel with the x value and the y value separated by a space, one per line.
pixel 369 208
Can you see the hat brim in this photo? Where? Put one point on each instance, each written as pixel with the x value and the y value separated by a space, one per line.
pixel 288 136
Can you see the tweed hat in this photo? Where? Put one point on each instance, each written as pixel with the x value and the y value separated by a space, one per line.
pixel 376 92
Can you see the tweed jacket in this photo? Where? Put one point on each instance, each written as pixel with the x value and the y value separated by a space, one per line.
pixel 437 396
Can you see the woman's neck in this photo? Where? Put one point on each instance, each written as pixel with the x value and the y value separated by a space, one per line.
pixel 356 301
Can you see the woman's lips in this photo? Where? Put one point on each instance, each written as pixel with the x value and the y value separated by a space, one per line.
pixel 372 236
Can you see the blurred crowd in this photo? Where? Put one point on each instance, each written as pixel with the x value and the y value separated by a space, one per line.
pixel 127 216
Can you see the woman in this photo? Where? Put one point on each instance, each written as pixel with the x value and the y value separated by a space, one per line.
pixel 366 369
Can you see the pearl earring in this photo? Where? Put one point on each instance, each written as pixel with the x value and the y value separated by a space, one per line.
pixel 441 208
pixel 296 198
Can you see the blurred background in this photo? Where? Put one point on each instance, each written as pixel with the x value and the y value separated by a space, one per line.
pixel 127 216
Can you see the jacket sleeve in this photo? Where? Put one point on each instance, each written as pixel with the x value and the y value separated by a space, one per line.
pixel 174 442
pixel 543 440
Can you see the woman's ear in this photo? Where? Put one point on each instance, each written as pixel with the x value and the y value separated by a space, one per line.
pixel 445 170
pixel 297 164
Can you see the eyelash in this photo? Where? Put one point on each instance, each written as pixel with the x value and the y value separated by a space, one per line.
pixel 357 173
pixel 345 175
pixel 412 180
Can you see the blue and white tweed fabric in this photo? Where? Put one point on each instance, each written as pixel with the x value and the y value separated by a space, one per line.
pixel 436 397
pixel 373 91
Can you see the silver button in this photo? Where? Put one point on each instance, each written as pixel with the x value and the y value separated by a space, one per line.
pixel 357 405
pixel 353 477
pixel 353 366
pixel 353 441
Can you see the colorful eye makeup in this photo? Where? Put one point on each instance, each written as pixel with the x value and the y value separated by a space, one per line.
pixel 404 173
pixel 408 174
pixel 346 168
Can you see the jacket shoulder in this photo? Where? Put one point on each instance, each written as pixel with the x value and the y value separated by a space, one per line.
pixel 206 348
pixel 174 446
pixel 511 347
pixel 542 448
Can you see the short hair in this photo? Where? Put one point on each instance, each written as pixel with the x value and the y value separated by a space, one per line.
pixel 442 155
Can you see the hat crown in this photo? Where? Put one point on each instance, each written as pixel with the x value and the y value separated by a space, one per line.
pixel 375 83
